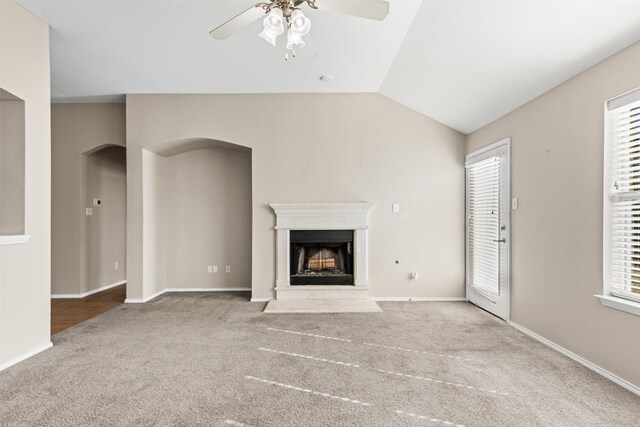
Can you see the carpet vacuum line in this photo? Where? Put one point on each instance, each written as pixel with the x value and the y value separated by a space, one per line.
pixel 448 356
pixel 347 400
pixel 416 377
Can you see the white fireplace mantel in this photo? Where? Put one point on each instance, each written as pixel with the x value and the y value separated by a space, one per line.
pixel 323 216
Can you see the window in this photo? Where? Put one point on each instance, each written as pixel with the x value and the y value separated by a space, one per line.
pixel 12 168
pixel 622 203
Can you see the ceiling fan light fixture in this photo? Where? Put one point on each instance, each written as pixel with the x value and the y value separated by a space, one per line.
pixel 274 22
pixel 294 40
pixel 273 26
pixel 300 24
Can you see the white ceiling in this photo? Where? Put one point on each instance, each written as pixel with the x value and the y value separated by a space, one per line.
pixel 467 63
pixel 464 63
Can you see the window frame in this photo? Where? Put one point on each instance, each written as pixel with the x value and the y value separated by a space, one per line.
pixel 607 298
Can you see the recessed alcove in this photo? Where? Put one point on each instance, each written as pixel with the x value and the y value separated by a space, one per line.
pixel 197 216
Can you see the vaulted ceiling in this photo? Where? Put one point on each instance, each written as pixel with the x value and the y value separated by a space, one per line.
pixel 463 63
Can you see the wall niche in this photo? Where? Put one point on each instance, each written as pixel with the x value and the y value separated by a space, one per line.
pixel 12 165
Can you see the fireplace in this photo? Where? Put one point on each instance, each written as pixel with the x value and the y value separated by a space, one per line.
pixel 321 257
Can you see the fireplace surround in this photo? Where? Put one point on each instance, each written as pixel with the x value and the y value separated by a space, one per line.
pixel 333 237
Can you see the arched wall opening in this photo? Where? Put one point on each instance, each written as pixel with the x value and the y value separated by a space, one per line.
pixel 104 229
pixel 197 217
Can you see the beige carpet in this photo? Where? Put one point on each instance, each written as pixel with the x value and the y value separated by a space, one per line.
pixel 215 359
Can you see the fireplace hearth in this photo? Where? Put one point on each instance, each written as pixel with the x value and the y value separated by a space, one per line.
pixel 321 257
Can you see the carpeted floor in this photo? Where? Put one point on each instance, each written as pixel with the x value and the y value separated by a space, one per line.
pixel 215 359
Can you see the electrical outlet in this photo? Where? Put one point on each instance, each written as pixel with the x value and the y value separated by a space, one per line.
pixel 97 202
pixel 116 266
pixel 215 268
pixel 414 275
pixel 227 269
pixel 209 269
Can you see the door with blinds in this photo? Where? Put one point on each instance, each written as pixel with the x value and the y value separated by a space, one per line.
pixel 487 233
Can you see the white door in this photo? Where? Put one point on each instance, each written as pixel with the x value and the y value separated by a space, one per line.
pixel 487 190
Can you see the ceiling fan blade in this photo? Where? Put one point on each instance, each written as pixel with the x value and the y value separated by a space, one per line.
pixel 237 23
pixel 370 9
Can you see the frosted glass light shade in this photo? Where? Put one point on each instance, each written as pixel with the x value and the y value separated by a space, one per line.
pixel 269 36
pixel 300 24
pixel 294 41
pixel 274 22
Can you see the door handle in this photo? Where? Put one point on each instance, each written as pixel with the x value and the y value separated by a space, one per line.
pixel 500 241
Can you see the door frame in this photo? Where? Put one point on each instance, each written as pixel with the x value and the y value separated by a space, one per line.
pixel 478 155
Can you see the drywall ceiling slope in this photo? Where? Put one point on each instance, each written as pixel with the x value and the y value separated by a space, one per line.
pixel 102 49
pixel 467 63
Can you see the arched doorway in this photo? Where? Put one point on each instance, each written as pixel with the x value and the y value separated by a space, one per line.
pixel 100 282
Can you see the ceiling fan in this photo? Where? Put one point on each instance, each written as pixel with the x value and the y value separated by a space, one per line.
pixel 287 15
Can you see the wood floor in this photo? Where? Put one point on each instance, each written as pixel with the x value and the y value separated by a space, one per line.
pixel 71 311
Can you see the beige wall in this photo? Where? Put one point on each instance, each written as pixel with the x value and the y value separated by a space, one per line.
pixel 12 164
pixel 154 209
pixel 104 233
pixel 76 131
pixel 209 218
pixel 557 166
pixel 25 280
pixel 322 148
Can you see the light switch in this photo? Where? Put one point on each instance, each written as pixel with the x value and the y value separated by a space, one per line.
pixel 395 208
pixel 514 204
pixel 89 211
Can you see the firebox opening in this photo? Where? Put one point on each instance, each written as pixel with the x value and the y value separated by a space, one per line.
pixel 321 257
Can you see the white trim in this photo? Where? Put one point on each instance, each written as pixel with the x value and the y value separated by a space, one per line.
pixel 143 300
pixel 14 240
pixel 484 150
pixel 25 356
pixel 86 294
pixel 571 355
pixel 261 299
pixel 428 299
pixel 147 299
pixel 620 304
pixel 208 290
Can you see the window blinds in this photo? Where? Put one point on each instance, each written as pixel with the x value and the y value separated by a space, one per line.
pixel 484 224
pixel 624 137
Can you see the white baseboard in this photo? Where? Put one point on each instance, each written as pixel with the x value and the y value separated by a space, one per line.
pixel 86 294
pixel 143 300
pixel 25 356
pixel 616 379
pixel 208 290
pixel 261 299
pixel 157 294
pixel 433 299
